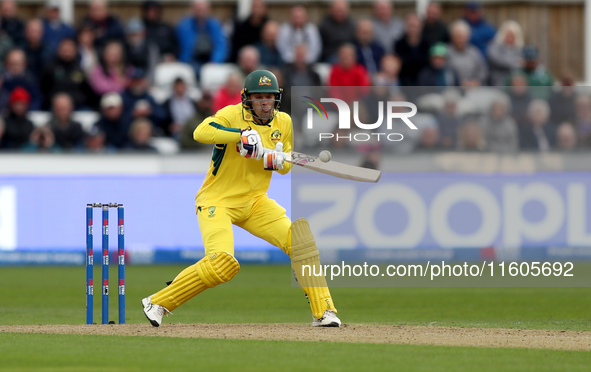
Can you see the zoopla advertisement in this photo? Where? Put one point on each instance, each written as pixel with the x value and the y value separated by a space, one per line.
pixel 404 216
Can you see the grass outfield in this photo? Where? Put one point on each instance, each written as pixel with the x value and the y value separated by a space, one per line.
pixel 263 294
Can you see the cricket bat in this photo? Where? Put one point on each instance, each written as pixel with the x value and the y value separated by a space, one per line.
pixel 333 168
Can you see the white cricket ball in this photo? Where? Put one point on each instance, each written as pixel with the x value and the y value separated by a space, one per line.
pixel 324 156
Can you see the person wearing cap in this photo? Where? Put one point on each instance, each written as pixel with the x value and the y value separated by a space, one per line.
pixel 159 32
pixel 111 121
pixel 482 32
pixel 18 128
pixel 54 30
pixel 438 73
pixel 138 102
pixel 140 52
pixel 539 79
pixel 201 37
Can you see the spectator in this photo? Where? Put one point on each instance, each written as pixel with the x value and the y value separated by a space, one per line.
pixel 94 141
pixel 18 128
pixel 88 55
pixel 249 31
pixel 65 75
pixel 229 93
pixel 140 53
pixel 67 132
pixel 583 120
pixel 140 134
pixel 387 28
pixel 36 51
pixel 520 98
pixel 369 108
pixel 448 119
pixel 464 59
pixel 201 38
pixel 434 29
pixel 2 131
pixel 470 137
pixel 429 140
pixel 539 135
pixel 437 74
pixel 389 71
pixel 369 52
pixel 566 137
pixel 6 45
pixel 336 29
pixel 15 75
pixel 412 50
pixel 299 31
pixel 180 108
pixel 562 102
pixel 159 32
pixel 41 140
pixel 249 60
pixel 299 73
pixel 348 73
pixel 112 122
pixel 482 32
pixel 111 74
pixel 54 30
pixel 500 130
pixel 11 24
pixel 138 102
pixel 538 78
pixel 267 47
pixel 505 53
pixel 106 27
pixel 204 110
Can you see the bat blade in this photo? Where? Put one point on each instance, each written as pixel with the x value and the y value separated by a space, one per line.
pixel 333 168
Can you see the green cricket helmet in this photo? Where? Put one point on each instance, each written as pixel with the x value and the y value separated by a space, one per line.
pixel 261 81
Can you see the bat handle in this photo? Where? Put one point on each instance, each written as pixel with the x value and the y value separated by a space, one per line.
pixel 284 154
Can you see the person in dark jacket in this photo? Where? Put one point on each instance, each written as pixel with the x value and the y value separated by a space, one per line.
pixel 369 51
pixel 64 74
pixel 248 31
pixel 112 123
pixel 482 32
pixel 539 134
pixel 159 32
pixel 16 75
pixel 54 30
pixel 336 29
pixel 138 102
pixel 11 24
pixel 18 128
pixel 434 29
pixel 412 50
pixel 36 51
pixel 106 26
pixel 68 133
pixel 437 74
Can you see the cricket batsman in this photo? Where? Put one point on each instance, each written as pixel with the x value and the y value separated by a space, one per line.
pixel 248 139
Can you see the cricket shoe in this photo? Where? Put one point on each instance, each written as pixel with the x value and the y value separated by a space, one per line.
pixel 153 312
pixel 329 319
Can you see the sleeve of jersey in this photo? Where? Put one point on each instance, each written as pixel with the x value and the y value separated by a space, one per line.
pixel 216 130
pixel 287 147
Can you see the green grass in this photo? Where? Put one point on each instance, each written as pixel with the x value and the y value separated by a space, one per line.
pixel 117 353
pixel 263 294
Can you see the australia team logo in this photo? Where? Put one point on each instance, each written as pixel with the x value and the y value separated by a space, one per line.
pixel 276 135
pixel 211 211
pixel 265 80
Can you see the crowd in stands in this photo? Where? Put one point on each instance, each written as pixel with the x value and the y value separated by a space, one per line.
pixel 109 69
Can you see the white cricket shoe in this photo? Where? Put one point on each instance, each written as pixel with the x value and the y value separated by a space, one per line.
pixel 329 319
pixel 153 312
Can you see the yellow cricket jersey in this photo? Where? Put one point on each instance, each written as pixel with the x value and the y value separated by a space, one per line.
pixel 233 180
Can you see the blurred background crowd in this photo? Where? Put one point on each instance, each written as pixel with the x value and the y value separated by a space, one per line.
pixel 143 84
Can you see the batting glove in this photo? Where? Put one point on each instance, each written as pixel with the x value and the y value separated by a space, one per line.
pixel 273 160
pixel 250 144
